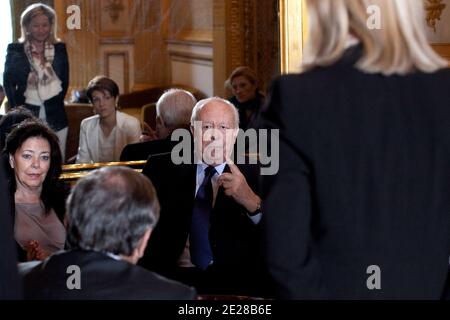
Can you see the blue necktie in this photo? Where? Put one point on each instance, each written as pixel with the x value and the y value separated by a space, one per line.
pixel 201 254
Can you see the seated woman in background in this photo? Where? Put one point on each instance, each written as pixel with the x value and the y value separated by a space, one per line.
pixel 34 157
pixel 247 97
pixel 103 136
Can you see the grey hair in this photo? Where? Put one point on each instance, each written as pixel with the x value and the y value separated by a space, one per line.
pixel 175 107
pixel 110 210
pixel 199 106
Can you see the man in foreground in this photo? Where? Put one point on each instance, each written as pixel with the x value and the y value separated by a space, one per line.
pixel 111 214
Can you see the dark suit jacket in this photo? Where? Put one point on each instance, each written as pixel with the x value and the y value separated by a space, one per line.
pixel 248 111
pixel 15 80
pixel 364 180
pixel 142 150
pixel 234 237
pixel 102 277
pixel 9 280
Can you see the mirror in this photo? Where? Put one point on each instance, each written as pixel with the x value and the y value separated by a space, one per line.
pixel 293 26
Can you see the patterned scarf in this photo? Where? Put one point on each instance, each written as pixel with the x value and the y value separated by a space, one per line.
pixel 42 77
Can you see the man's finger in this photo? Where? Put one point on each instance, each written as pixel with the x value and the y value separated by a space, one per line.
pixel 233 168
pixel 228 192
pixel 225 177
pixel 227 184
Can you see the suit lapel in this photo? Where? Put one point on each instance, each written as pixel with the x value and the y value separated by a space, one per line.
pixel 192 180
pixel 120 139
pixel 93 139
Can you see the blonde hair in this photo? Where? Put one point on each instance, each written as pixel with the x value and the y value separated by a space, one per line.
pixel 242 71
pixel 33 11
pixel 400 46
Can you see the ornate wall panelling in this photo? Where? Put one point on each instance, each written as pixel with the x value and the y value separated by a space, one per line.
pixel 250 37
pixel 190 43
pixel 438 22
pixel 119 38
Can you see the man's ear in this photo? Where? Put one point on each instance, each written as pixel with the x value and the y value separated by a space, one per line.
pixel 160 121
pixel 235 133
pixel 143 243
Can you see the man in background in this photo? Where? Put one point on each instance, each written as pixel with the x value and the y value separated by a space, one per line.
pixel 208 235
pixel 173 111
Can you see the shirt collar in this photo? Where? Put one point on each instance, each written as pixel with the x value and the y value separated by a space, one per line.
pixel 112 255
pixel 202 166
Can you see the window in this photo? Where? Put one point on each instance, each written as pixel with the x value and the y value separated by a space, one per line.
pixel 5 34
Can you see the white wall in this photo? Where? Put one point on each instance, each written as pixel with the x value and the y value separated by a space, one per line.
pixel 191 63
pixel 5 34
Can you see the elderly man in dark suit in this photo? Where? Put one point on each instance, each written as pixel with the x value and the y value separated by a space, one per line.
pixel 209 229
pixel 111 214
pixel 173 111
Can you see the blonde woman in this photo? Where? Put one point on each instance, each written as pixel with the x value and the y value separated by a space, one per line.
pixel 359 208
pixel 37 70
pixel 247 97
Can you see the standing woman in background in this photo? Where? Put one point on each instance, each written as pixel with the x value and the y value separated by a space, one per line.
pixel 360 206
pixel 37 70
pixel 247 97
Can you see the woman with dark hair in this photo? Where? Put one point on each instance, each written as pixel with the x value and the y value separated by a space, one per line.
pixel 10 120
pixel 247 97
pixel 37 69
pixel 103 136
pixel 34 167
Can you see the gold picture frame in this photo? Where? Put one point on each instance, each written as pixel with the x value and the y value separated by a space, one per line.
pixel 434 10
pixel 438 20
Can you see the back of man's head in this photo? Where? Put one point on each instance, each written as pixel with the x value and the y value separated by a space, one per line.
pixel 174 108
pixel 110 210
